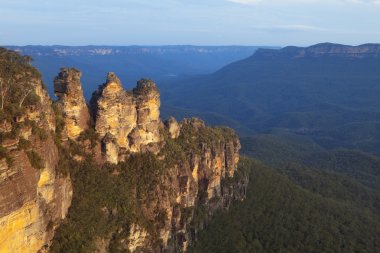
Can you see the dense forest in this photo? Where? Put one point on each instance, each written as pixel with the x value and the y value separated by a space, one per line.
pixel 303 212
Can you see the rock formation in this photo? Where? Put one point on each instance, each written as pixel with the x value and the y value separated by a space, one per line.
pixel 173 127
pixel 126 121
pixel 33 197
pixel 68 89
pixel 191 169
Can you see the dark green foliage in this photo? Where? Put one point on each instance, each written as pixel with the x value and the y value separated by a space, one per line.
pixel 35 160
pixel 59 121
pixel 24 144
pixel 191 139
pixel 281 151
pixel 3 152
pixel 90 135
pixel 279 216
pixel 16 88
pixel 106 198
pixel 40 132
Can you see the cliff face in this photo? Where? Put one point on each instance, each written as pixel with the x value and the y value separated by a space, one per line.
pixel 33 197
pixel 140 184
pixel 197 179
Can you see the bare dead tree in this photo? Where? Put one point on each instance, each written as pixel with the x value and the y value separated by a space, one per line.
pixel 24 97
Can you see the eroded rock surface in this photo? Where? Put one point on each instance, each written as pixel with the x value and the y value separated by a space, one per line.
pixel 132 118
pixel 68 89
pixel 32 201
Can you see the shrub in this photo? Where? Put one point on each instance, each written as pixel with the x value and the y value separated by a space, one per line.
pixel 41 133
pixel 23 144
pixel 35 160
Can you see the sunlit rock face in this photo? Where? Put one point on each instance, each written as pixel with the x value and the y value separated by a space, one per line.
pixel 32 201
pixel 131 117
pixel 147 100
pixel 190 185
pixel 68 89
pixel 173 127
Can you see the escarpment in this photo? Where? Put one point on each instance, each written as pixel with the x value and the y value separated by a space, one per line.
pixel 34 197
pixel 134 182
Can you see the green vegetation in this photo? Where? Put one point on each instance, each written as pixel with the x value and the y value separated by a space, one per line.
pixel 41 133
pixel 284 151
pixel 89 135
pixel 18 80
pixel 59 121
pixel 35 160
pixel 106 198
pixel 16 88
pixel 281 216
pixel 24 144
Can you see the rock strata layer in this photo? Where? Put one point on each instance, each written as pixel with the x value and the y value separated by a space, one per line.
pixel 33 201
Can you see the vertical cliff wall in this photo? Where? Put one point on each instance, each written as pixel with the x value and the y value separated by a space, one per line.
pixel 200 161
pixel 68 89
pixel 33 197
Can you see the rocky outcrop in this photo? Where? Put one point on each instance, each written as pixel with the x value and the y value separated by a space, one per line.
pixel 165 180
pixel 68 89
pixel 127 121
pixel 173 127
pixel 33 197
pixel 197 182
pixel 148 104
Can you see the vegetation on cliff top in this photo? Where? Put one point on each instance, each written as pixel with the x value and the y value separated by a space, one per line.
pixel 18 98
pixel 16 83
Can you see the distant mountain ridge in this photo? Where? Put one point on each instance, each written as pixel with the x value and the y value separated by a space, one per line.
pixel 58 50
pixel 323 50
pixel 327 91
pixel 131 62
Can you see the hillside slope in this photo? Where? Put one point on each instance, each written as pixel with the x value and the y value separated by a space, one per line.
pixel 328 92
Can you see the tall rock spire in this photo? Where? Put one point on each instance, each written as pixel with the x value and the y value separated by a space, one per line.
pixel 130 119
pixel 67 88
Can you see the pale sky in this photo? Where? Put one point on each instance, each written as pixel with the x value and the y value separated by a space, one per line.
pixel 195 22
